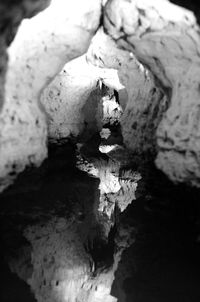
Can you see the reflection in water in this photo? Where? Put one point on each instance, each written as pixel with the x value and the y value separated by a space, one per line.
pixel 64 234
pixel 85 218
pixel 56 217
pixel 163 263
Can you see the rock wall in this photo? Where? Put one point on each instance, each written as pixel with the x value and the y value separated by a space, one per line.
pixel 41 47
pixel 12 13
pixel 72 99
pixel 140 95
pixel 147 55
pixel 65 98
pixel 68 243
pixel 62 269
pixel 160 101
pixel 165 38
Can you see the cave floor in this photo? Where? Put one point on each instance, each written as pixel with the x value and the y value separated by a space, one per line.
pixel 163 263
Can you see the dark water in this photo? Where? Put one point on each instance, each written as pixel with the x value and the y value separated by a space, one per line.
pixel 162 265
pixel 57 188
pixel 12 288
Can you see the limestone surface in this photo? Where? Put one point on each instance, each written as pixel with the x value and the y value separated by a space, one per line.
pixel 12 13
pixel 60 264
pixel 71 100
pixel 40 49
pixel 165 38
pixel 63 270
pixel 142 100
pixel 74 101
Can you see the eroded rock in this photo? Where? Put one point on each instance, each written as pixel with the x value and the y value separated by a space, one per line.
pixel 41 47
pixel 12 13
pixel 67 254
pixel 75 99
pixel 63 270
pixel 60 264
pixel 141 98
pixel 165 38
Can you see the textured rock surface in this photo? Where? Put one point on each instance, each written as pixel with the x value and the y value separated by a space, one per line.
pixel 53 204
pixel 165 37
pixel 64 229
pixel 12 12
pixel 142 100
pixel 117 186
pixel 56 239
pixel 3 66
pixel 63 270
pixel 74 99
pixel 41 47
pixel 71 100
pixel 191 5
pixel 61 266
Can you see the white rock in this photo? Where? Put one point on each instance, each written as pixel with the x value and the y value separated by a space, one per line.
pixel 69 100
pixel 166 38
pixel 142 102
pixel 105 133
pixel 41 47
pixel 106 148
